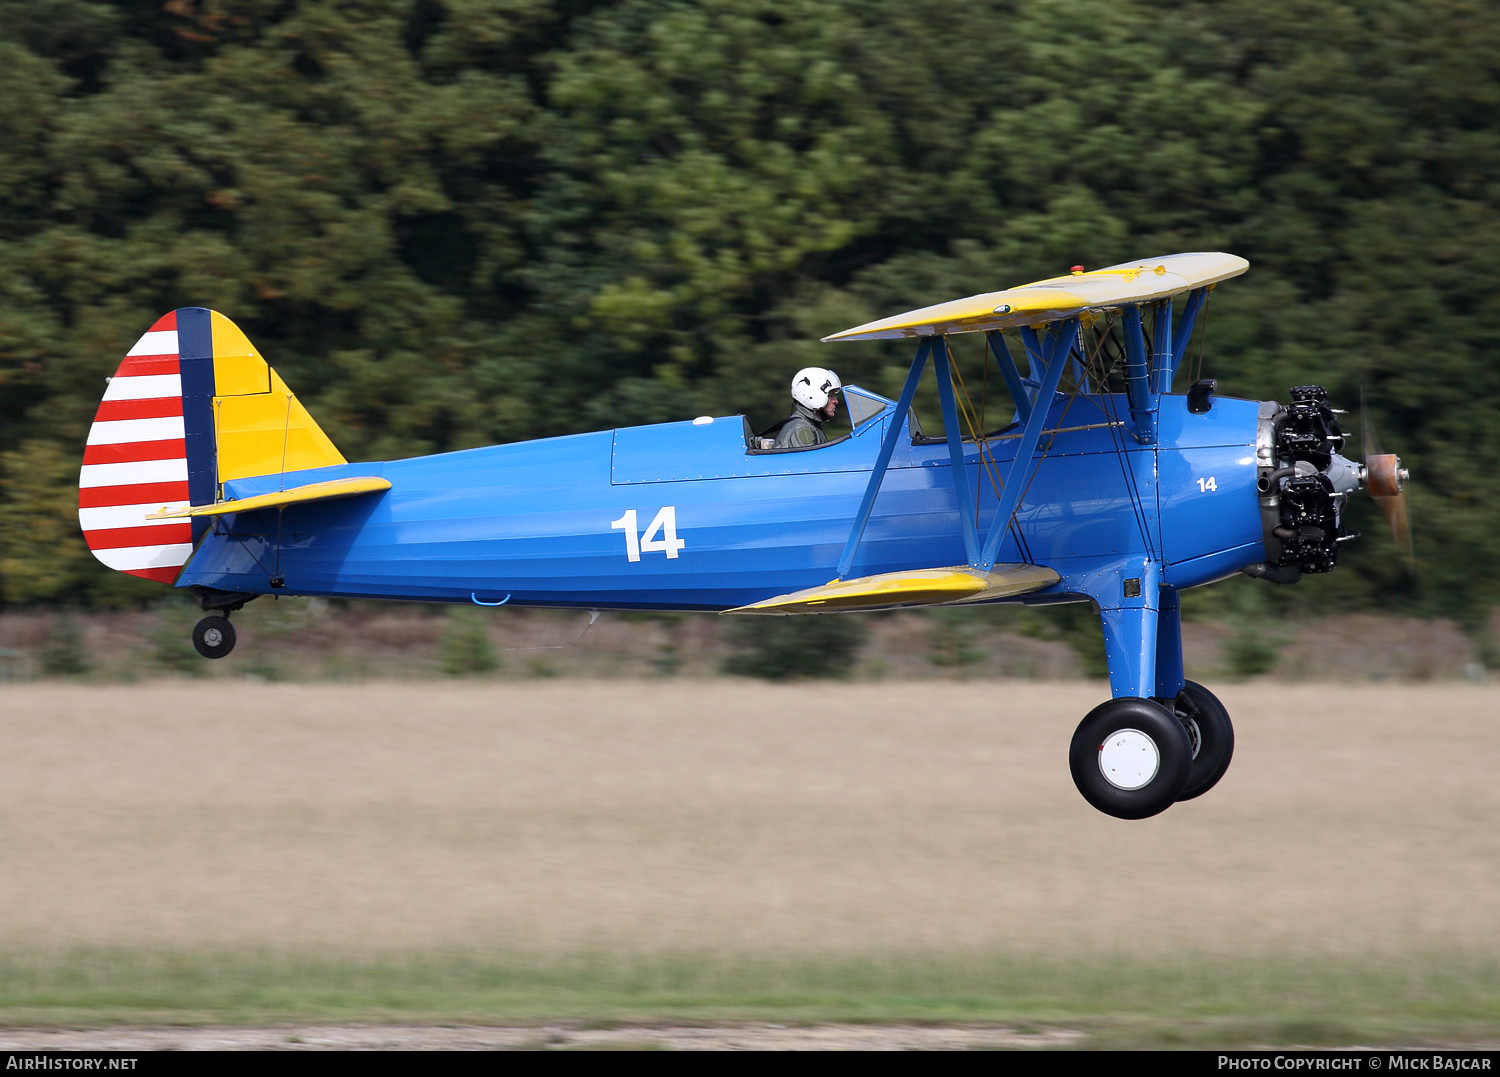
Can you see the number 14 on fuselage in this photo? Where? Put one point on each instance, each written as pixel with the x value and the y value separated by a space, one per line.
pixel 664 524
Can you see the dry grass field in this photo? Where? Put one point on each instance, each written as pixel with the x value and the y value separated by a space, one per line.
pixel 738 827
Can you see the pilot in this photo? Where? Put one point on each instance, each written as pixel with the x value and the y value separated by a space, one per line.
pixel 813 391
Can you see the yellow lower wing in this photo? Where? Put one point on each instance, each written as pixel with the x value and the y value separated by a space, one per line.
pixel 317 491
pixel 918 587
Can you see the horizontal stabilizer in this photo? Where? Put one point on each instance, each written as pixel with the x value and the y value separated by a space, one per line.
pixel 316 491
pixel 918 587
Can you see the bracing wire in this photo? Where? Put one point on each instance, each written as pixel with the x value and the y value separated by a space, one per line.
pixel 286 436
pixel 966 406
pixel 1011 525
pixel 593 616
pixel 988 466
pixel 1202 332
pixel 252 556
pixel 1116 436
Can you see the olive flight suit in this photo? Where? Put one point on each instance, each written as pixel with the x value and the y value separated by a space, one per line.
pixel 805 427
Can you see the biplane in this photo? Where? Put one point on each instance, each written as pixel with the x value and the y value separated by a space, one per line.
pixel 204 471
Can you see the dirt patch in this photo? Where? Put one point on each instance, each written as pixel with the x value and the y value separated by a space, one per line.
pixel 427 1038
pixel 731 815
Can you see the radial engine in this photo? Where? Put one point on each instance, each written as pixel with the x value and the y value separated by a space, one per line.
pixel 1305 482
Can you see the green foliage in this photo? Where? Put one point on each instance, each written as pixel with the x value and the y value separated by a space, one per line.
pixel 956 632
pixel 171 641
pixel 1074 623
pixel 952 639
pixel 451 223
pixel 795 648
pixel 1248 653
pixel 42 552
pixel 951 644
pixel 1255 646
pixel 1257 613
pixel 63 653
pixel 465 648
pixel 1115 1000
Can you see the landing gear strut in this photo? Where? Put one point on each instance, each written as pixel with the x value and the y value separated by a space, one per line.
pixel 213 637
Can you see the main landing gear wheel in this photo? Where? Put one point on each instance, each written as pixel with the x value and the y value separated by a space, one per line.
pixel 1211 734
pixel 1131 758
pixel 213 637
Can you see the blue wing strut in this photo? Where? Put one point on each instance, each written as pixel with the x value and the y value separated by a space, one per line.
pixel 1054 359
pixel 1011 374
pixel 888 446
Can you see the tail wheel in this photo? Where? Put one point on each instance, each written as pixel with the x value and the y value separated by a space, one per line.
pixel 1211 734
pixel 213 637
pixel 1131 758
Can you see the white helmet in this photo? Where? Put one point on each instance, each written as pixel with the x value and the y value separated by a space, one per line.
pixel 813 386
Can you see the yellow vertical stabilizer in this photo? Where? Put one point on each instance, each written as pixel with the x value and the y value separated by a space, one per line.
pixel 260 426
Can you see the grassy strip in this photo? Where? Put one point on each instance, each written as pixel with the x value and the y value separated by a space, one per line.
pixel 1192 999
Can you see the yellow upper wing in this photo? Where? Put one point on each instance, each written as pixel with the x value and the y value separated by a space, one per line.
pixel 1060 297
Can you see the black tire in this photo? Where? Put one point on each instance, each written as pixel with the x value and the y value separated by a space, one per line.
pixel 1143 726
pixel 213 637
pixel 1210 731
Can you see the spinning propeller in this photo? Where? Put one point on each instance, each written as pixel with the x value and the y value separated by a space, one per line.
pixel 1384 479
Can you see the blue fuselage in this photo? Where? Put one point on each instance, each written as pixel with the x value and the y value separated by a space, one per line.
pixel 555 522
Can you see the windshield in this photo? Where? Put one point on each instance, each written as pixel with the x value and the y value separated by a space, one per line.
pixel 863 405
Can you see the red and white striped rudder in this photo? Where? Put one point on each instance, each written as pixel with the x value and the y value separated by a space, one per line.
pixel 135 463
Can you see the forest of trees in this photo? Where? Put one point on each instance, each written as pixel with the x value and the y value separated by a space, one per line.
pixel 451 223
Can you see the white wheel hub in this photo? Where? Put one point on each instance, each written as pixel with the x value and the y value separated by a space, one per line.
pixel 1128 759
pixel 213 637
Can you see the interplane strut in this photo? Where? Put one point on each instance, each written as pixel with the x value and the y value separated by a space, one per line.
pixel 1147 377
pixel 1050 360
